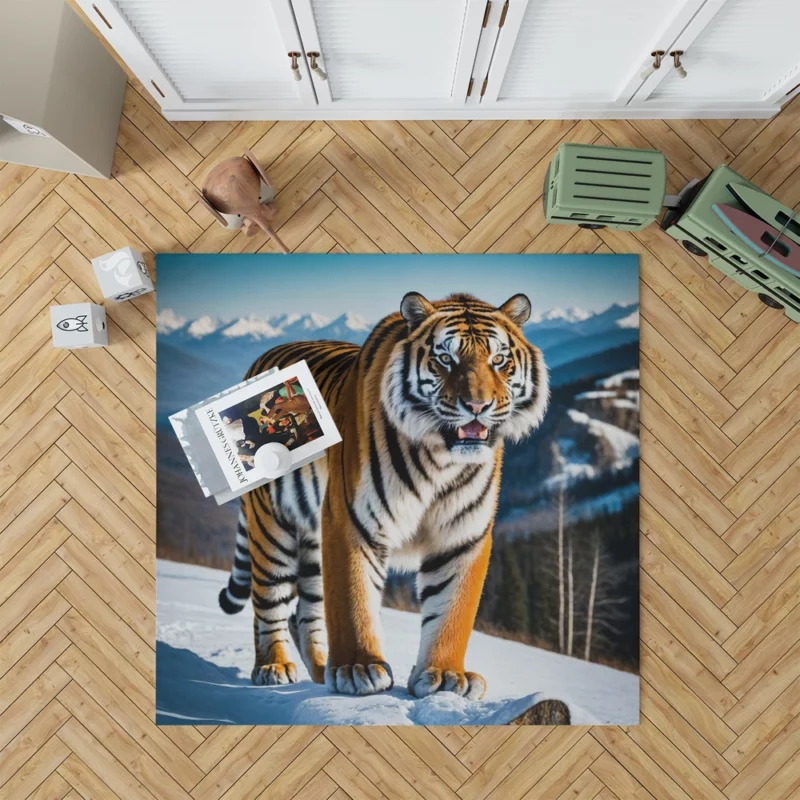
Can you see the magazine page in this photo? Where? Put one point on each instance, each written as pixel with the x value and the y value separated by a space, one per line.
pixel 285 407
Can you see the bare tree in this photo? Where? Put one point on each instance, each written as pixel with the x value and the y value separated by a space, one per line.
pixel 571 597
pixel 604 602
pixel 561 569
pixel 592 595
pixel 558 464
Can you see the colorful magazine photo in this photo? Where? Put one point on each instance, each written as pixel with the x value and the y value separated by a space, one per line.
pixel 285 407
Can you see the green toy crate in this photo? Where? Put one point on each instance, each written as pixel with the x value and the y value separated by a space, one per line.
pixel 702 232
pixel 597 187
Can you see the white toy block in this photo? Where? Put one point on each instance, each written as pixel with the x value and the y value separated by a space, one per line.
pixel 122 274
pixel 78 325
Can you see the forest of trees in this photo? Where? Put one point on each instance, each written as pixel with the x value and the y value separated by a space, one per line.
pixel 573 590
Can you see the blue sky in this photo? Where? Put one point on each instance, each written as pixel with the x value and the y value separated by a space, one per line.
pixel 231 286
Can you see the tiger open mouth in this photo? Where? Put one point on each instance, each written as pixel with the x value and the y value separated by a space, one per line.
pixel 472 432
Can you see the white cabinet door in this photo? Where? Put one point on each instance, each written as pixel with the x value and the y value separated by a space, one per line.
pixel 574 53
pixel 735 51
pixel 391 53
pixel 214 55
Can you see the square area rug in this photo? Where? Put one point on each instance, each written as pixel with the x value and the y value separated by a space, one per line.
pixel 467 555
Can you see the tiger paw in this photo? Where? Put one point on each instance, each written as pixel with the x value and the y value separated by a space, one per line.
pixel 274 674
pixel 359 679
pixel 432 679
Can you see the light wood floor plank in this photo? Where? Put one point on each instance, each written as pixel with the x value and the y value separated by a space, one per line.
pixel 379 229
pixel 681 733
pixel 12 176
pixel 86 784
pixel 81 596
pixel 33 736
pixel 31 266
pixel 363 151
pixel 159 131
pixel 437 143
pixel 501 180
pixel 31 230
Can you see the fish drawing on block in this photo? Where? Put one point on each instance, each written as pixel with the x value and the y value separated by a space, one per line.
pixel 74 324
pixel 763 238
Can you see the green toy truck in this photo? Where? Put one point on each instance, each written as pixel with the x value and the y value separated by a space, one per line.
pixel 596 187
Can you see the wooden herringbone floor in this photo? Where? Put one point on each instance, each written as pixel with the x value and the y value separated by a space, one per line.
pixel 720 552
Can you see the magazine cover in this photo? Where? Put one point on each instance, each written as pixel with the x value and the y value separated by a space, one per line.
pixel 285 408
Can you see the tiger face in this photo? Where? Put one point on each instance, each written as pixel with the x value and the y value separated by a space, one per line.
pixel 465 375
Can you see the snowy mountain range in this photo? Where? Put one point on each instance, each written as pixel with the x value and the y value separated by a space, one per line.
pixel 559 315
pixel 281 326
pixel 198 357
pixel 556 325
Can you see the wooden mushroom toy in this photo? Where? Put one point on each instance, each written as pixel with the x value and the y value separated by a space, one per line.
pixel 238 193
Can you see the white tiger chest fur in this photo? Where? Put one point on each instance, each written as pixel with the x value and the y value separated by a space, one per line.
pixel 444 504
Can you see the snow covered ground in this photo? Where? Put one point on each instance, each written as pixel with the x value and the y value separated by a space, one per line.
pixel 204 658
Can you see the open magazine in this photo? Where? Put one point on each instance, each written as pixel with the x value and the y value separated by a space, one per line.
pixel 221 435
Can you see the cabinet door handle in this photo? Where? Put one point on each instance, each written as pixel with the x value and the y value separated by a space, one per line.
pixel 676 60
pixel 657 56
pixel 294 55
pixel 315 68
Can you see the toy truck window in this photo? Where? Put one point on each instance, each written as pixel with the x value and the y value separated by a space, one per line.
pixel 791 225
pixel 775 244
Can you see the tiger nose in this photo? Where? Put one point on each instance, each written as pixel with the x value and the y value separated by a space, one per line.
pixel 476 407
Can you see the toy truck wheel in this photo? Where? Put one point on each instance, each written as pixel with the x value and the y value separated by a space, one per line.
pixel 693 248
pixel 769 301
pixel 592 226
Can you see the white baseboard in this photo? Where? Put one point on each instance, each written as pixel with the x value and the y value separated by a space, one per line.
pixel 650 111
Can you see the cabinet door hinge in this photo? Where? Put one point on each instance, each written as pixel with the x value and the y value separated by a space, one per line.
pixel 503 15
pixel 469 88
pixel 483 88
pixel 486 13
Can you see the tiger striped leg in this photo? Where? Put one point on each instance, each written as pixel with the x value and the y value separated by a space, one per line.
pixel 273 554
pixel 312 637
pixel 354 569
pixel 234 596
pixel 447 623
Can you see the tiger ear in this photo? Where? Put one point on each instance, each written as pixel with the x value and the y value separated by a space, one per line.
pixel 517 309
pixel 415 309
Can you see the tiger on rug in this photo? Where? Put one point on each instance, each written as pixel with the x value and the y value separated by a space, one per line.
pixel 424 407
